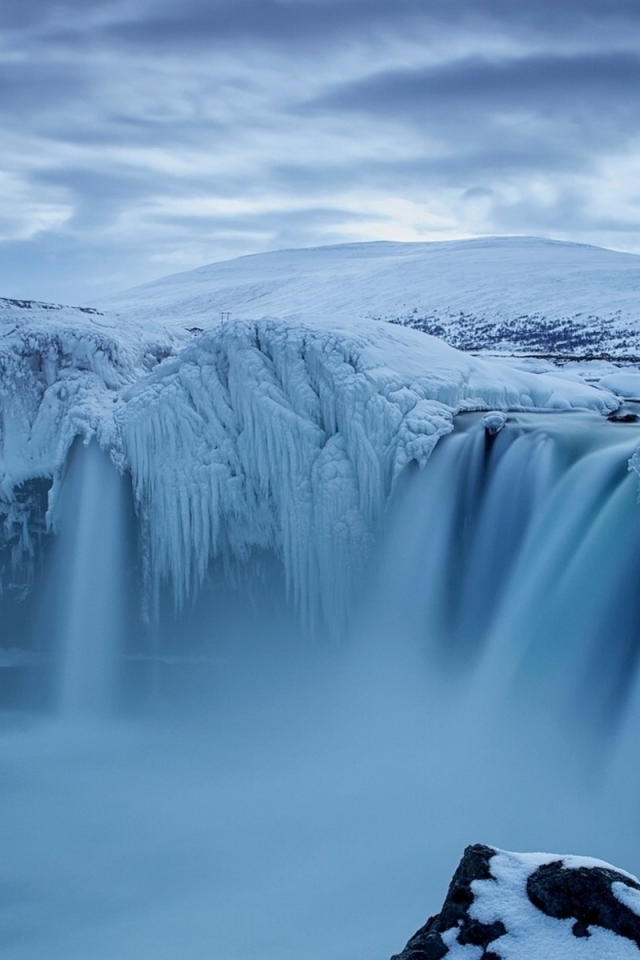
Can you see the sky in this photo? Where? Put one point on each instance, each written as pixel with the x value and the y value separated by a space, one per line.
pixel 144 137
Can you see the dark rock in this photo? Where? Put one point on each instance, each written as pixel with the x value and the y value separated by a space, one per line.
pixel 623 417
pixel 427 943
pixel 584 894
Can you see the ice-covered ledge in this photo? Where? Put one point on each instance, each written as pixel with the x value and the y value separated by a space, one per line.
pixel 247 435
pixel 532 906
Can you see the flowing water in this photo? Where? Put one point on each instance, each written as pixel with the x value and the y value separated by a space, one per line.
pixel 218 785
pixel 87 584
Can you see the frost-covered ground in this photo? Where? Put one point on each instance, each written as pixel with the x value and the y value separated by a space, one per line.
pixel 509 294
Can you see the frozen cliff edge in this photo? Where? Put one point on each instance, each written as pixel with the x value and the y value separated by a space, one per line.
pixel 532 906
pixel 249 435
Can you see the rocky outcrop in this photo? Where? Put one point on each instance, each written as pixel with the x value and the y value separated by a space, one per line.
pixel 509 906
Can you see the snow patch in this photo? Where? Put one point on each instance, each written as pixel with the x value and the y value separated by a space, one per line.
pixel 530 933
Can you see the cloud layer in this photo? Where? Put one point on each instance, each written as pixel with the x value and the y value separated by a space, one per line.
pixel 142 138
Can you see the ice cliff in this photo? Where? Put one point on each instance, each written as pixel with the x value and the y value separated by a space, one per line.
pixel 243 436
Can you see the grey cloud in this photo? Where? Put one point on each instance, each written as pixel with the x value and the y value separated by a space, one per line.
pixel 306 24
pixel 283 223
pixel 131 131
pixel 17 16
pixel 568 214
pixel 30 88
pixel 98 196
pixel 544 114
pixel 136 111
pixel 309 23
pixel 474 153
pixel 545 84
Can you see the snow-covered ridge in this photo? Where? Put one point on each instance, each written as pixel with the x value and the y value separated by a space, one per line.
pixel 269 434
pixel 503 294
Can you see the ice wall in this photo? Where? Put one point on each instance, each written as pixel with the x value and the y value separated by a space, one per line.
pixel 248 436
pixel 291 437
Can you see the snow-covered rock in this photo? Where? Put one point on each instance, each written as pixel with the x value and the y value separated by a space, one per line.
pixel 522 906
pixel 62 373
pixel 506 294
pixel 494 422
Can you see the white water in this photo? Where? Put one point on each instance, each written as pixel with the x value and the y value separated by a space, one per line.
pixel 294 798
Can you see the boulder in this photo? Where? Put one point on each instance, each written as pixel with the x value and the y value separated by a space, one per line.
pixel 523 906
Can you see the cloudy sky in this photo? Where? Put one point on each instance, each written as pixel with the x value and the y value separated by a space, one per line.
pixel 143 137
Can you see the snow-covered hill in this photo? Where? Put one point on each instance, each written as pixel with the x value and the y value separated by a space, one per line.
pixel 507 294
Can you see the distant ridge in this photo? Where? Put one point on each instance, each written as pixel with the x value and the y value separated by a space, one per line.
pixel 496 294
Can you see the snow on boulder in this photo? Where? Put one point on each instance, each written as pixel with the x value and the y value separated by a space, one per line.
pixel 494 422
pixel 523 906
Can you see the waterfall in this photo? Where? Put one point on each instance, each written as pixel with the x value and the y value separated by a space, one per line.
pixel 520 553
pixel 287 781
pixel 88 574
pixel 512 557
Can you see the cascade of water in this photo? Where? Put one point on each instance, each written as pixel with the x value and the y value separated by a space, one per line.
pixel 568 626
pixel 523 551
pixel 518 551
pixel 89 572
pixel 452 535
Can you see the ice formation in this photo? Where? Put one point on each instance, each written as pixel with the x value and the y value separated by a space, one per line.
pixel 249 435
pixel 62 372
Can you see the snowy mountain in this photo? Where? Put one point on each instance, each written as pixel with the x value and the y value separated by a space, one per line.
pixel 506 295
